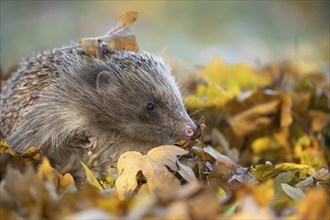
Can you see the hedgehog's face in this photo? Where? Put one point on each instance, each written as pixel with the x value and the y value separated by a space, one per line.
pixel 159 120
pixel 144 101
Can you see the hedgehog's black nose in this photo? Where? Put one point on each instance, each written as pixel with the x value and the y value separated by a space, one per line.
pixel 190 130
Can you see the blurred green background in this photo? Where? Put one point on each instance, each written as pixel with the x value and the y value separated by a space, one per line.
pixel 193 31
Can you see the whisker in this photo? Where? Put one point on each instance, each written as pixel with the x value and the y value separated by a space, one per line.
pixel 202 109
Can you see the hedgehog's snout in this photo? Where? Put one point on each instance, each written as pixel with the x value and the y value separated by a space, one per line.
pixel 190 130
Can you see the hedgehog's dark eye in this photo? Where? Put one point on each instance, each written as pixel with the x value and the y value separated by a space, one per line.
pixel 150 106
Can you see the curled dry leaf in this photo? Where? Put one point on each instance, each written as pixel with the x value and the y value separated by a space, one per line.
pixel 154 167
pixel 227 165
pixel 322 175
pixel 119 38
pixel 255 119
pixel 222 167
pixel 186 172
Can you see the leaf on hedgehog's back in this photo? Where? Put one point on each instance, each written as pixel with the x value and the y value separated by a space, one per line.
pixel 156 167
pixel 126 19
pixel 119 38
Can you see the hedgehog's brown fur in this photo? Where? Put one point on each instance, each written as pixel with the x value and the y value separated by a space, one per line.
pixel 61 100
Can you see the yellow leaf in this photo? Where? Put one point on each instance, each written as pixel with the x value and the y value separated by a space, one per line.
pixel 266 171
pixel 236 76
pixel 45 169
pixel 291 166
pixel 264 193
pixel 275 143
pixel 90 177
pixel 264 144
pixel 153 167
pixel 4 147
pixel 66 181
pixel 217 96
pixel 110 204
pixel 212 96
pixel 314 158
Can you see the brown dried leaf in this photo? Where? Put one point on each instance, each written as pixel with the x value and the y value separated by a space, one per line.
pixel 119 38
pixel 300 102
pixel 228 165
pixel 315 205
pixel 30 195
pixel 254 119
pixel 319 120
pixel 286 117
pixel 186 172
pixel 196 196
pixel 197 206
pixel 321 175
pixel 219 139
pixel 126 19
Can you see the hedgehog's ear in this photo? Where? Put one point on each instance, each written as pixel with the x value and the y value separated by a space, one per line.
pixel 103 80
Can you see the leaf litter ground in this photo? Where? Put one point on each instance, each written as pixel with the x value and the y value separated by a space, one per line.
pixel 262 150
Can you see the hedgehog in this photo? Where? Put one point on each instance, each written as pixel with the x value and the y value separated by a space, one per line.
pixel 69 104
